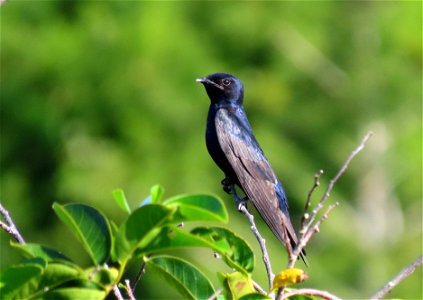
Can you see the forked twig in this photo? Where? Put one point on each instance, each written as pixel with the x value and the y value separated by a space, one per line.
pixel 308 229
pixel 309 234
pixel 334 180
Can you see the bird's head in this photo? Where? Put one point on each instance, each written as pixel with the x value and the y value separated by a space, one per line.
pixel 223 87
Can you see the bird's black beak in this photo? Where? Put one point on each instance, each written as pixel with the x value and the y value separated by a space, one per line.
pixel 205 81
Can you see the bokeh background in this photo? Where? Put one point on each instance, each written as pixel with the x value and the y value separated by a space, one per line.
pixel 100 95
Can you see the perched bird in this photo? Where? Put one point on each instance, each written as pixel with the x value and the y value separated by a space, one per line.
pixel 233 147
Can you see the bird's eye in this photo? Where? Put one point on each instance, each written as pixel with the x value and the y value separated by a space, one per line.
pixel 226 82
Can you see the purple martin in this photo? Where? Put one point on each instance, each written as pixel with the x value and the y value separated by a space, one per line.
pixel 233 147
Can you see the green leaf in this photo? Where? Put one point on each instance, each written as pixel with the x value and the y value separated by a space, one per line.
pixel 302 297
pixel 89 226
pixel 198 208
pixel 256 296
pixel 113 228
pixel 103 276
pixel 121 201
pixel 139 229
pixel 75 293
pixel 183 276
pixel 239 285
pixel 53 276
pixel 37 250
pixel 235 251
pixel 170 238
pixel 156 193
pixel 15 277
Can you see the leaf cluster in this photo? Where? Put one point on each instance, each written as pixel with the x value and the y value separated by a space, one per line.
pixel 147 232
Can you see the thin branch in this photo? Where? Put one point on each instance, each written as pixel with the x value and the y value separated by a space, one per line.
pixel 398 278
pixel 279 293
pixel 310 193
pixel 310 292
pixel 307 228
pixel 138 277
pixel 334 180
pixel 309 234
pixel 259 288
pixel 117 293
pixel 9 226
pixel 129 290
pixel 262 242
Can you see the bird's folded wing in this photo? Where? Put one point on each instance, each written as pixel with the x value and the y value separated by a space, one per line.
pixel 253 170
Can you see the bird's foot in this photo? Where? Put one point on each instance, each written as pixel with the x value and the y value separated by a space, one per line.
pixel 226 182
pixel 240 202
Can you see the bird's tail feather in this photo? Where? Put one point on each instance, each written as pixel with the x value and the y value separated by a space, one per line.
pixel 303 253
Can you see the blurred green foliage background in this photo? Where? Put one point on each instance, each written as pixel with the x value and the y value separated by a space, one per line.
pixel 99 95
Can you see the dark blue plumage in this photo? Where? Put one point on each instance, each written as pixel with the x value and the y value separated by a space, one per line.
pixel 233 147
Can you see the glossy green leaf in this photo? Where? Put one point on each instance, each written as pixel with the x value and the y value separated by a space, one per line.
pixel 121 201
pixel 235 251
pixel 89 226
pixel 139 229
pixel 170 238
pixel 183 276
pixel 14 278
pixel 37 250
pixel 198 208
pixel 156 193
pixel 75 293
pixel 53 276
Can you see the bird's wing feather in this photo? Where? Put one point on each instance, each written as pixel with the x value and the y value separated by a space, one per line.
pixel 253 170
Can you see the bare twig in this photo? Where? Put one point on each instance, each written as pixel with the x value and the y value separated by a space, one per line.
pixel 279 293
pixel 310 292
pixel 138 277
pixel 309 234
pixel 310 193
pixel 303 242
pixel 262 242
pixel 259 288
pixel 307 228
pixel 333 181
pixel 117 293
pixel 398 278
pixel 9 226
pixel 129 290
